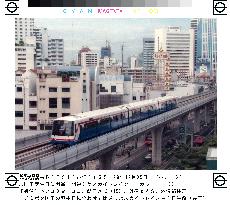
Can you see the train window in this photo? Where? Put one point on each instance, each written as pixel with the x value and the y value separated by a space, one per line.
pixel 63 128
pixel 104 121
pixel 91 124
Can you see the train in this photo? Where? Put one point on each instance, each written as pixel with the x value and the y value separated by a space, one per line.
pixel 73 129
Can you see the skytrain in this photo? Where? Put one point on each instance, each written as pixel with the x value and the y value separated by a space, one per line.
pixel 77 128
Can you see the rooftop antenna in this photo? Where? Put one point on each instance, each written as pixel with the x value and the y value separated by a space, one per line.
pixel 122 55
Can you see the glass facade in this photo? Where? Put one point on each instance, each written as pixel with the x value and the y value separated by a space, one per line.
pixel 206 45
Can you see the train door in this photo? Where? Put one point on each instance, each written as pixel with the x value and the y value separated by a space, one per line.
pixel 76 131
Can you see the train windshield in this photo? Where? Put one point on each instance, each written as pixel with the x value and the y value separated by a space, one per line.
pixel 63 128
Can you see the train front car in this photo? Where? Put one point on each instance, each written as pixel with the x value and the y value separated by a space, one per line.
pixel 63 131
pixel 171 102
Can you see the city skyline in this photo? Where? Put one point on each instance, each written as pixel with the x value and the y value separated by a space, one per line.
pixel 128 31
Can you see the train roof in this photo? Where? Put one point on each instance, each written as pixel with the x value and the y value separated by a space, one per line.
pixel 114 110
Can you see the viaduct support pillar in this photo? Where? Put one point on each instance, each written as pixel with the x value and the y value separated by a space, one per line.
pixel 156 145
pixel 196 126
pixel 206 114
pixel 214 106
pixel 106 160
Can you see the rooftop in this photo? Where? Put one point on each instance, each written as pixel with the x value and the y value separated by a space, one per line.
pixel 212 153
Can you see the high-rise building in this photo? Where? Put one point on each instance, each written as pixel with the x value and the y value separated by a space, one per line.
pixel 41 35
pixel 205 44
pixel 194 25
pixel 89 59
pixel 180 46
pixel 25 100
pixel 106 51
pixel 56 52
pixel 83 49
pixel 25 55
pixel 148 51
pixel 23 27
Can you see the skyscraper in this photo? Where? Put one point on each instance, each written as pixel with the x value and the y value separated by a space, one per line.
pixel 148 51
pixel 194 25
pixel 180 46
pixel 206 44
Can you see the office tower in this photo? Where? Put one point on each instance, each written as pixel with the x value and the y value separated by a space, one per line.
pixel 148 51
pixel 180 46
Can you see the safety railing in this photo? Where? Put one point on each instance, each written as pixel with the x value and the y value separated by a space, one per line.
pixel 30 140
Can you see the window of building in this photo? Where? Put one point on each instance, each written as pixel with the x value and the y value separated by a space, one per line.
pixel 134 98
pixel 33 127
pixel 84 81
pixel 18 101
pixel 32 117
pixel 19 127
pixel 65 114
pixel 65 102
pixel 18 113
pixel 52 89
pixel 42 111
pixel 19 89
pixel 84 89
pixel 33 104
pixel 52 102
pixel 65 89
pixel 42 127
pixel 52 114
pixel 48 127
pixel 113 89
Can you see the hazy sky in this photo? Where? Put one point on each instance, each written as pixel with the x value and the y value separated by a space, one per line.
pixel 94 32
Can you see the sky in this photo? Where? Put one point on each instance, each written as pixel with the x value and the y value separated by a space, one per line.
pixel 94 32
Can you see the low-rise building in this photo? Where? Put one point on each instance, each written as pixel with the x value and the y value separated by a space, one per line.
pixel 119 89
pixel 53 93
pixel 140 75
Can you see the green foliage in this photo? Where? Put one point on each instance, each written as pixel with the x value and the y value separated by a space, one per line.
pixel 187 158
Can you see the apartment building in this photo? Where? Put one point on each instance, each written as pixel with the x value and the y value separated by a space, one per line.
pixel 56 52
pixel 23 28
pixel 59 91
